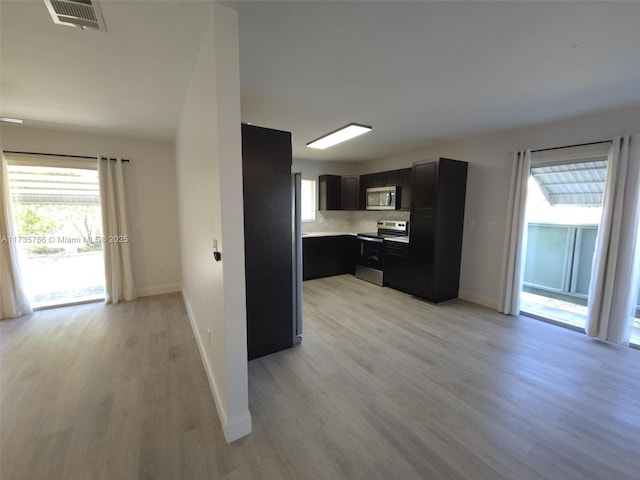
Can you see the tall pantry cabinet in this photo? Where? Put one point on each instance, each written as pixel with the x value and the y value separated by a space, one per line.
pixel 437 221
pixel 266 178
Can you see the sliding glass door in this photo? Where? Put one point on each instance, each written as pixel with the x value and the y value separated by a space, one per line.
pixel 564 208
pixel 59 229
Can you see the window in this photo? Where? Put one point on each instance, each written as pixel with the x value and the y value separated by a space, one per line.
pixel 308 200
pixel 59 227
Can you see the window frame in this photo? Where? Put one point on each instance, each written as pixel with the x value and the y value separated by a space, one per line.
pixel 311 196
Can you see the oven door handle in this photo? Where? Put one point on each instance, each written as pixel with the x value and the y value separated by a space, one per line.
pixel 369 239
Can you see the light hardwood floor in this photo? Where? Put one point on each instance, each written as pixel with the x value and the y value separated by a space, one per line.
pixel 383 386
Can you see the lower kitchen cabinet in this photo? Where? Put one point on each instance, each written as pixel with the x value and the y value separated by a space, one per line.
pixel 327 256
pixel 350 249
pixel 396 265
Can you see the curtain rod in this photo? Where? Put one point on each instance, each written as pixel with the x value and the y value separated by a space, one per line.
pixel 62 155
pixel 570 146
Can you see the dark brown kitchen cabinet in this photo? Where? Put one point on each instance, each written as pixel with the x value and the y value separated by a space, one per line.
pixel 349 193
pixel 437 221
pixel 366 181
pixel 406 179
pixel 424 185
pixel 382 179
pixel 396 265
pixel 320 257
pixel 329 192
pixel 266 178
pixel 326 256
pixel 376 180
pixel 392 177
pixel 337 192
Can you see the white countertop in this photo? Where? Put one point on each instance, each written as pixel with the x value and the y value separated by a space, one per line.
pixel 336 234
pixel 325 234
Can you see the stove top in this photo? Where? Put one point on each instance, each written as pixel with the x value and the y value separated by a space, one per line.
pixel 388 229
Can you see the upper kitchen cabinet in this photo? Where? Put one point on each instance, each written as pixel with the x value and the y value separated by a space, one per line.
pixel 381 179
pixel 406 180
pixel 329 192
pixel 393 177
pixel 424 184
pixel 437 221
pixel 349 193
pixel 337 192
pixel 372 180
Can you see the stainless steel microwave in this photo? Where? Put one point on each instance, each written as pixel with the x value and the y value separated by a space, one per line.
pixel 382 198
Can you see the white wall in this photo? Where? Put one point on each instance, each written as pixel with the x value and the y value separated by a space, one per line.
pixel 209 177
pixel 490 161
pixel 311 169
pixel 150 189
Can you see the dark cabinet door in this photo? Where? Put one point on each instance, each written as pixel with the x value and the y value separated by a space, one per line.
pixel 364 184
pixel 392 178
pixel 350 194
pixel 406 180
pixel 329 192
pixel 331 256
pixel 396 265
pixel 376 180
pixel 322 257
pixel 421 253
pixel 312 264
pixel 437 219
pixel 423 193
pixel 349 249
pixel 266 176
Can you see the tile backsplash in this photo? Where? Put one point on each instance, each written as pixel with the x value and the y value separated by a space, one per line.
pixel 350 221
pixel 329 221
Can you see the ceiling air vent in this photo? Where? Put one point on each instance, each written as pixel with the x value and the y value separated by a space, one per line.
pixel 76 13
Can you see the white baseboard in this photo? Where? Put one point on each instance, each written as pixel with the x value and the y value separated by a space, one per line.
pixel 233 428
pixel 159 290
pixel 238 427
pixel 479 299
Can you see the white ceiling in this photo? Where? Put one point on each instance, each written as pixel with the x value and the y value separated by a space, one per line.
pixel 131 80
pixel 421 73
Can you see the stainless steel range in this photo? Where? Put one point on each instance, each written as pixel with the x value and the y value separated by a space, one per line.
pixel 370 262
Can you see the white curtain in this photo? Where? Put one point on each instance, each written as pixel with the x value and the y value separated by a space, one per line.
pixel 616 269
pixel 516 238
pixel 117 256
pixel 13 301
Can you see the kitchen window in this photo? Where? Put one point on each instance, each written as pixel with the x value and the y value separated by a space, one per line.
pixel 308 200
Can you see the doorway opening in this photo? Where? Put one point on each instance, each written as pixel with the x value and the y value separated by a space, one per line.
pixel 58 232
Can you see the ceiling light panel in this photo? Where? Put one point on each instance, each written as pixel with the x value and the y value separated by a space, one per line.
pixel 345 133
pixel 11 120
